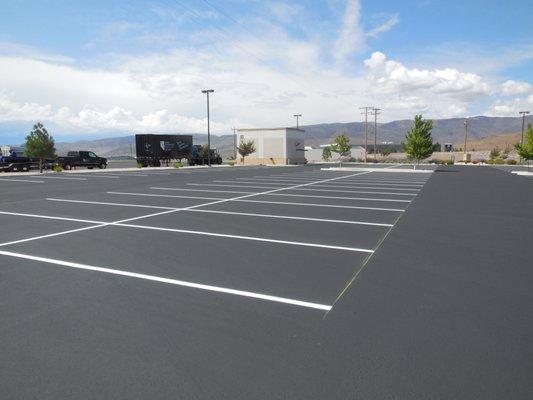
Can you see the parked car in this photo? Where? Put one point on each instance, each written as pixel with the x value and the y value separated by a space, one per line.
pixel 81 159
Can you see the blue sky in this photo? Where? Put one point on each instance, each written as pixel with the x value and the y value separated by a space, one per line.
pixel 102 67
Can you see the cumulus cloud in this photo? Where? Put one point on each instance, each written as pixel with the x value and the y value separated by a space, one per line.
pixel 391 76
pixel 511 88
pixel 510 108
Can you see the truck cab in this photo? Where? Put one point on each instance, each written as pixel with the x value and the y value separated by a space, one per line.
pixel 81 159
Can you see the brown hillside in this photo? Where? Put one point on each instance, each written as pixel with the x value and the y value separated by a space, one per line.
pixel 500 141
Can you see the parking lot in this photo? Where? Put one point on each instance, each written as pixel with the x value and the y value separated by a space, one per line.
pixel 206 283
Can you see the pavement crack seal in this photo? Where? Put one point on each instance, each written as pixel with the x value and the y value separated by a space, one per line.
pixel 369 257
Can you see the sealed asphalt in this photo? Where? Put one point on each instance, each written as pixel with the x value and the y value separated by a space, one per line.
pixel 442 309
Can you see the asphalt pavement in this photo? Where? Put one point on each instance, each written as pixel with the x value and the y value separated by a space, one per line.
pixel 262 283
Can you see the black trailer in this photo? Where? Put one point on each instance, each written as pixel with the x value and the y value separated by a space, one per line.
pixel 152 150
pixel 24 164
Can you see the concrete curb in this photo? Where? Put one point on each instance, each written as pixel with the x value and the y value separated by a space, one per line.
pixel 523 173
pixel 107 170
pixel 408 171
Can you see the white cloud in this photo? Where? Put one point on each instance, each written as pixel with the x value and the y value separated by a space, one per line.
pixel 393 77
pixel 351 37
pixel 510 108
pixel 385 27
pixel 510 88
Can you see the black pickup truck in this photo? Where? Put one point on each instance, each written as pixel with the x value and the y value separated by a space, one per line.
pixel 81 159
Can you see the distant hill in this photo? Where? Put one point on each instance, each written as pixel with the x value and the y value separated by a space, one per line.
pixel 451 130
pixel 493 141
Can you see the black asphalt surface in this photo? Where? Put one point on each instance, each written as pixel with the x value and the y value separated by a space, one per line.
pixel 441 310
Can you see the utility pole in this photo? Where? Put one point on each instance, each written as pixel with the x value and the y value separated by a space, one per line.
pixel 207 91
pixel 366 130
pixel 523 122
pixel 466 135
pixel 376 112
pixel 234 143
pixel 297 120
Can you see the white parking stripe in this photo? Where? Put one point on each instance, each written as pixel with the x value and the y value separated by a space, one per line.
pixel 110 204
pixel 165 195
pixel 200 286
pixel 103 176
pixel 290 217
pixel 62 177
pixel 19 180
pixel 262 194
pixel 248 201
pixel 325 185
pixel 217 201
pixel 353 181
pixel 270 187
pixel 188 231
pixel 251 238
pixel 51 217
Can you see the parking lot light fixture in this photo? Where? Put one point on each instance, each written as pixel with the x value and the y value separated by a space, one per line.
pixel 297 116
pixel 207 91
pixel 523 113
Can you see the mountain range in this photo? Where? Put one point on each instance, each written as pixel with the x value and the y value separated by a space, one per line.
pixel 450 130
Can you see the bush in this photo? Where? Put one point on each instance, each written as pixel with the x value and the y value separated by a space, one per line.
pixel 178 165
pixel 511 162
pixel 499 161
pixel 139 165
pixel 448 162
pixel 231 162
pixel 57 168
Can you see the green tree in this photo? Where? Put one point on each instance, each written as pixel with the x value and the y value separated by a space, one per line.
pixel 525 150
pixel 39 144
pixel 246 148
pixel 342 147
pixel 326 154
pixel 494 153
pixel 418 142
pixel 204 154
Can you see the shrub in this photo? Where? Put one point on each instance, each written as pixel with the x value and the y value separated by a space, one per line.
pixel 57 168
pixel 511 162
pixel 231 162
pixel 139 165
pixel 178 165
pixel 448 162
pixel 499 161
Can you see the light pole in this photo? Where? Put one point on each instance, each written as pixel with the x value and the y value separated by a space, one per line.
pixel 235 144
pixel 207 91
pixel 466 134
pixel 366 130
pixel 297 120
pixel 523 121
pixel 376 112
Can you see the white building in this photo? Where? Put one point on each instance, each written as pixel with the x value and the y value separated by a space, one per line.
pixel 273 146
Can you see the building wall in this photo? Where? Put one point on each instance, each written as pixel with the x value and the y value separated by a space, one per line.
pixel 315 155
pixel 273 146
pixel 295 146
